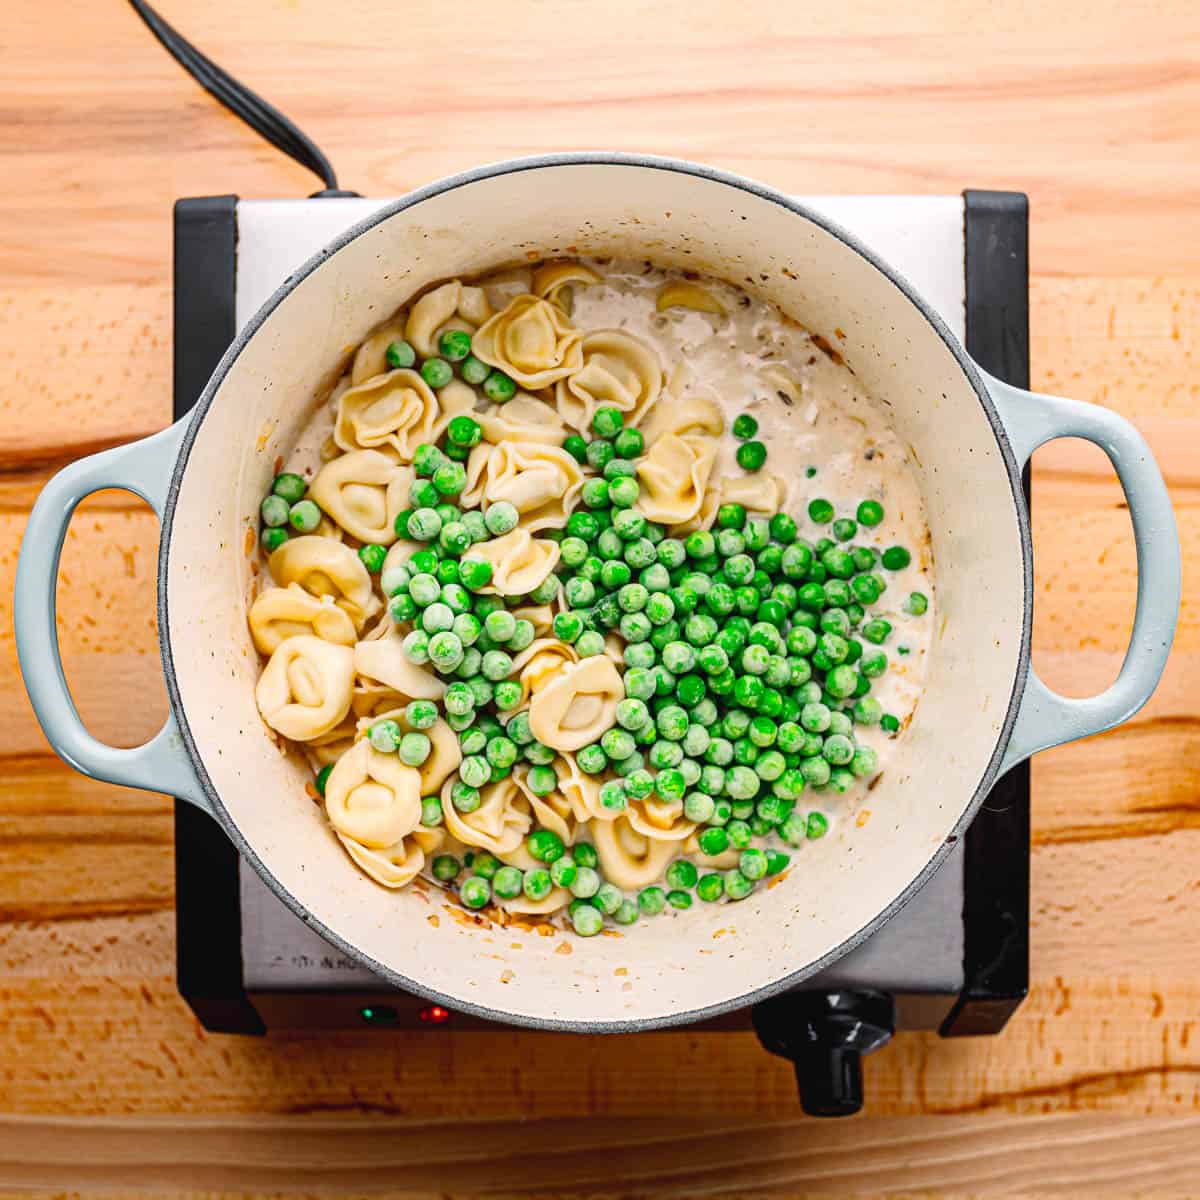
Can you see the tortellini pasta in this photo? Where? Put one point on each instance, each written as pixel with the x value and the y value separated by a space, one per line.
pixel 398 864
pixel 498 825
pixel 553 811
pixel 381 657
pixel 519 561
pixel 674 475
pixel 687 417
pixel 619 371
pixel 280 613
pixel 630 859
pixel 397 412
pixel 577 705
pixel 554 281
pixel 437 311
pixel 760 494
pixel 531 341
pixel 371 358
pixel 304 690
pixel 373 798
pixel 523 419
pixel 364 492
pixel 324 567
pixel 540 662
pixel 541 482
pixel 681 294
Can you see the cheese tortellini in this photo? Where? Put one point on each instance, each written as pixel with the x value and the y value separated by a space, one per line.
pixel 519 561
pixel 499 824
pixel 280 613
pixel 304 690
pixel 674 477
pixel 577 705
pixel 619 371
pixel 524 418
pixel 397 412
pixel 324 567
pixel 631 859
pixel 542 482
pixel 532 342
pixel 373 798
pixel 363 491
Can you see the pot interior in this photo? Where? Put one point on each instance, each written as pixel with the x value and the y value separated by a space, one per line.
pixel 712 955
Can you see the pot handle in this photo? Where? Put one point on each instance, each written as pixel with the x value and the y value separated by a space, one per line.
pixel 143 468
pixel 1045 718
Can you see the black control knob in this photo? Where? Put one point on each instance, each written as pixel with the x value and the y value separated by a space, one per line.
pixel 825 1034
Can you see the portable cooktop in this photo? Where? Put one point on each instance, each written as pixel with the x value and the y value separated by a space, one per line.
pixel 955 959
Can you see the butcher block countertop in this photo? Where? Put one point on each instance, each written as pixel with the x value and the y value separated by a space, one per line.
pixel 108 1085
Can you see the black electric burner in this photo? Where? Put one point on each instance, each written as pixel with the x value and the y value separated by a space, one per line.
pixel 955 959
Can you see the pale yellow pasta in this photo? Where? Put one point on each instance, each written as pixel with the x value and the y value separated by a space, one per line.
pixel 759 494
pixel 280 613
pixel 783 381
pixel 371 358
pixel 555 899
pixel 541 482
pixel 552 811
pixel 628 858
pixel 498 825
pixel 363 491
pixel 619 371
pixel 519 561
pixel 398 864
pixel 327 568
pixel 577 705
pixel 429 314
pixel 397 412
pixel 581 791
pixel 524 418
pixel 674 475
pixel 540 616
pixel 531 341
pixel 371 698
pixel 373 798
pixel 682 294
pixel 553 281
pixel 663 819
pixel 381 658
pixel 304 690
pixel 539 662
pixel 683 418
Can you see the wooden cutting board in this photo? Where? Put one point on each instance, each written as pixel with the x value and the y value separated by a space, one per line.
pixel 106 1080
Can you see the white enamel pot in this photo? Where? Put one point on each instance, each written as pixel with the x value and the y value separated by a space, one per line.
pixel 983 711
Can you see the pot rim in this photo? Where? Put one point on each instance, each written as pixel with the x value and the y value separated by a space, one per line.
pixel 679 166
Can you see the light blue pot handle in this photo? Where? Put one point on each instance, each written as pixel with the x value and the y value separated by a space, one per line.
pixel 144 468
pixel 1046 718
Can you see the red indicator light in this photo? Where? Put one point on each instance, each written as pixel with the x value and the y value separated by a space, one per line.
pixel 434 1014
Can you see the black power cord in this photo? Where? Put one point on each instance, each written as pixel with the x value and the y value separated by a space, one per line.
pixel 264 118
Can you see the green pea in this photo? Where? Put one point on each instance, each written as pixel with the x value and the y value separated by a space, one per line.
pixel 587 921
pixel 736 885
pixel 626 913
pixel 607 422
pixel 751 456
pixel 652 900
pixel 454 345
pixel 710 887
pixel 436 372
pixel 896 558
pixel 275 511
pixel 586 882
pixel 272 539
pixel 541 779
pixel 473 370
pixel 323 777
pixel 576 447
pixel 844 529
pixel 563 871
pixel 698 806
pixel 384 736
pixel 445 867
pixel 873 665
pixel 600 453
pixel 304 516
pixel 499 388
pixel 682 874
pixel 917 604
pixel 590 644
pixel 400 355
pixel 507 883
pixel 289 487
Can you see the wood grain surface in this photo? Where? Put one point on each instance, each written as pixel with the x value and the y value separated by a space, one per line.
pixel 108 1086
